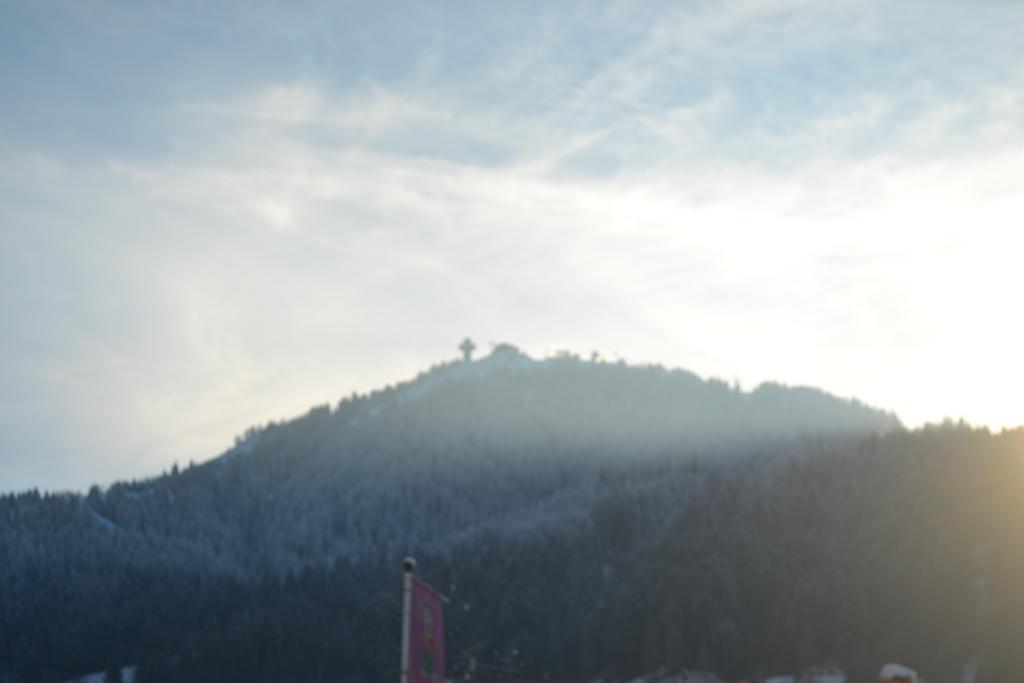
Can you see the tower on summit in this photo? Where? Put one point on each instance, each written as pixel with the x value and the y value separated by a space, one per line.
pixel 467 347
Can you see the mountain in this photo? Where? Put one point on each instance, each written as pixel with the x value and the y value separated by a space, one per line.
pixel 479 446
pixel 587 518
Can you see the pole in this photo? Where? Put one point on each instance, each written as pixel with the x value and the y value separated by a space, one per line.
pixel 409 566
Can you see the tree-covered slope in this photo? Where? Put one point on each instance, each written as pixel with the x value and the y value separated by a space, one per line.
pixel 588 519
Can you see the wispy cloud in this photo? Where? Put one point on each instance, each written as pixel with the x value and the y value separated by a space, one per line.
pixel 793 190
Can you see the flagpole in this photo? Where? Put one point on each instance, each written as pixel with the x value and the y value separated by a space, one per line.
pixel 409 566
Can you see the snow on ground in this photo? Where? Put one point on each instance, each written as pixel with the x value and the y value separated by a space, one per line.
pixel 663 676
pixel 103 521
pixel 815 675
pixel 127 675
pixel 504 358
pixel 898 672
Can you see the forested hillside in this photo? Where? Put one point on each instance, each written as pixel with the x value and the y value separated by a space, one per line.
pixel 587 519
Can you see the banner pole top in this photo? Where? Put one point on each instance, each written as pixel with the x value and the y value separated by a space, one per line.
pixel 409 564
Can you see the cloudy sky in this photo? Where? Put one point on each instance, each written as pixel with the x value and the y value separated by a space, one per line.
pixel 214 217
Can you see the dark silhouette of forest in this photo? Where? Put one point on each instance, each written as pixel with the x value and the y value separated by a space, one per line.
pixel 586 519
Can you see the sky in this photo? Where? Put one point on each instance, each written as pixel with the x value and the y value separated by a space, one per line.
pixel 215 215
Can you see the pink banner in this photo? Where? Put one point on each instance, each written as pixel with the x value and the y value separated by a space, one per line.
pixel 426 635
